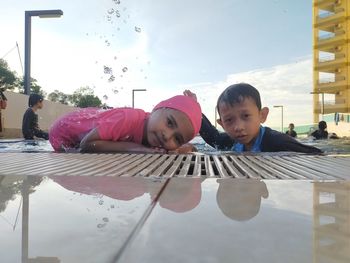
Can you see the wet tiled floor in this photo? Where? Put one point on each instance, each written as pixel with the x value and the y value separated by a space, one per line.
pixel 123 219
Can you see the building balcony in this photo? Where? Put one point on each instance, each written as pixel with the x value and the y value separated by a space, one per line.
pixel 330 107
pixel 331 63
pixel 327 5
pixel 328 18
pixel 332 85
pixel 330 40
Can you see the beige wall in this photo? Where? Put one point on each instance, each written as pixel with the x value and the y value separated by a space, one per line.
pixel 17 104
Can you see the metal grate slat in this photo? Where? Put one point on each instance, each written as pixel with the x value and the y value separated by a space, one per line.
pixel 185 165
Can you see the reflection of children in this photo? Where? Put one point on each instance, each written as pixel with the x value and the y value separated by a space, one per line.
pixel 172 123
pixel 121 188
pixel 30 126
pixel 241 115
pixel 321 133
pixel 239 199
pixel 291 131
pixel 180 194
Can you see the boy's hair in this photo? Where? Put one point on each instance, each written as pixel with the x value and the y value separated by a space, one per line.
pixel 34 99
pixel 322 125
pixel 236 93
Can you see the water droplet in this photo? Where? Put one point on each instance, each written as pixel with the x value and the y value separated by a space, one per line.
pixel 111 78
pixel 110 11
pixel 112 206
pixel 100 202
pixel 115 91
pixel 115 57
pixel 109 18
pixel 105 219
pixel 117 2
pixel 105 97
pixel 125 69
pixel 101 225
pixel 117 14
pixel 137 29
pixel 107 70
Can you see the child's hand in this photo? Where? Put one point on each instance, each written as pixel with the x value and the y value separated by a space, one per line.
pixel 190 94
pixel 185 148
pixel 158 150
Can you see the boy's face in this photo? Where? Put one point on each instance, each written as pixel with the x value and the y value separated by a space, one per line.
pixel 40 104
pixel 242 121
pixel 168 128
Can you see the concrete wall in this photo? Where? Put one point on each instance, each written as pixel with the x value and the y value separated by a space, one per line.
pixel 17 104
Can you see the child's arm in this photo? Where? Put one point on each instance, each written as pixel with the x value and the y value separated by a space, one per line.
pixel 216 139
pixel 93 143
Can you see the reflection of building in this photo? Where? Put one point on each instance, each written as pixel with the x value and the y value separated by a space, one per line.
pixel 331 35
pixel 331 222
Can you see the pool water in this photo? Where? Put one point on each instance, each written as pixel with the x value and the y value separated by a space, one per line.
pixel 19 145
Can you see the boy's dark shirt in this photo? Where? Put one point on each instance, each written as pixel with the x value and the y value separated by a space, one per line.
pixel 272 141
pixel 318 134
pixel 291 133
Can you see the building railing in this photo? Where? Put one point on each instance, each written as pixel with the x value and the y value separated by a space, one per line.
pixel 330 80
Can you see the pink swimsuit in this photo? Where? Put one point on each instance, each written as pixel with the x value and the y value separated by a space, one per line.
pixel 120 124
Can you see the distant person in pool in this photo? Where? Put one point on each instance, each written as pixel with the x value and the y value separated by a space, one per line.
pixel 171 124
pixel 30 126
pixel 291 131
pixel 322 132
pixel 241 116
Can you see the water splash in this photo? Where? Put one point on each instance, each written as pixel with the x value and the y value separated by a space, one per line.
pixel 107 70
pixel 111 78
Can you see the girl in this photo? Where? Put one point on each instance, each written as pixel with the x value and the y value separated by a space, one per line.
pixel 172 123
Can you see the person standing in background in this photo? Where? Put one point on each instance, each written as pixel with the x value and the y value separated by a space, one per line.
pixel 3 104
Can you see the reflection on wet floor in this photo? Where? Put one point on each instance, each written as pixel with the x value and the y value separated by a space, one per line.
pixel 128 219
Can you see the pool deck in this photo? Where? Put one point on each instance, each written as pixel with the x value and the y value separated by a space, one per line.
pixel 271 166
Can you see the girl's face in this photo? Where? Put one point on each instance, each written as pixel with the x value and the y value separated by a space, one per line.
pixel 168 128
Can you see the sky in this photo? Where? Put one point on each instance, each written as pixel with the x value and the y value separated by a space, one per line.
pixel 165 47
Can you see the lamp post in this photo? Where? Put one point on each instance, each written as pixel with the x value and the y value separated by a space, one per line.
pixel 133 95
pixel 27 40
pixel 322 95
pixel 280 106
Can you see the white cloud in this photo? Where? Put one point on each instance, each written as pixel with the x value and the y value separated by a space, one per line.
pixel 288 85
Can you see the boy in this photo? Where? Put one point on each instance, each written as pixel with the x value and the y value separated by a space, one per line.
pixel 322 132
pixel 241 116
pixel 291 131
pixel 30 126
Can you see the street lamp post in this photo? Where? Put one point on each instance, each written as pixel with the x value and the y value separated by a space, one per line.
pixel 280 106
pixel 322 96
pixel 27 40
pixel 133 95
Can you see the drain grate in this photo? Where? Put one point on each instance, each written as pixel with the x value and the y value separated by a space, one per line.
pixel 188 165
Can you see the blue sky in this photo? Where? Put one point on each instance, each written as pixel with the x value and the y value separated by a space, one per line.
pixel 166 46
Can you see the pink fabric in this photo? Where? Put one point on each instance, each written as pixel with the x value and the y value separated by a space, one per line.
pixel 186 105
pixel 120 124
pixel 121 188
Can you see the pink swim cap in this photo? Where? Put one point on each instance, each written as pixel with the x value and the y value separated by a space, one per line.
pixel 186 105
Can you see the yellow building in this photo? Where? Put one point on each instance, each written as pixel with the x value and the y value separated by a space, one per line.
pixel 331 53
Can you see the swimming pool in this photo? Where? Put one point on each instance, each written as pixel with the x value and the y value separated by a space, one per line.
pixel 19 145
